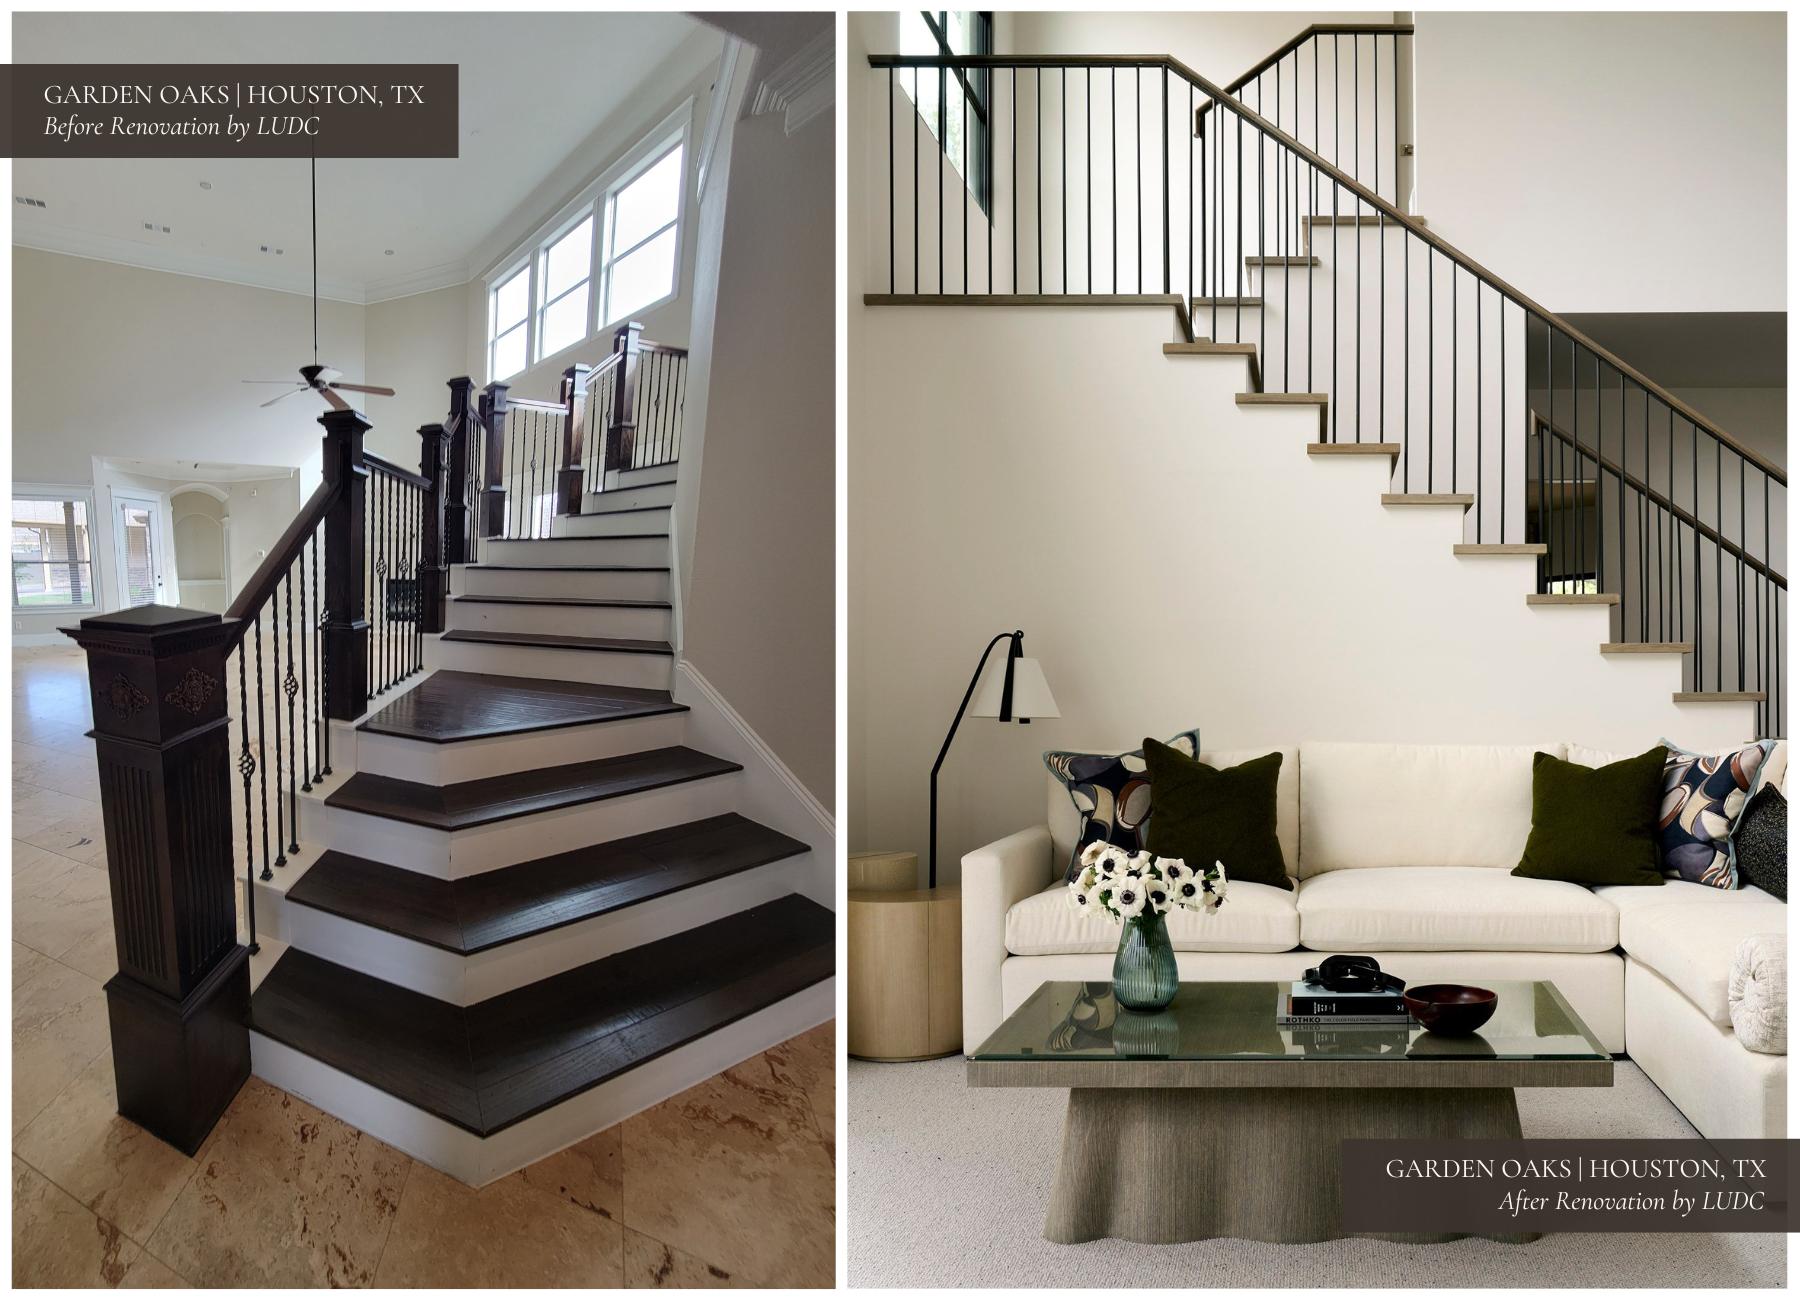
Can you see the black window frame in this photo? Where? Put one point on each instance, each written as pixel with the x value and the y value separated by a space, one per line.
pixel 976 85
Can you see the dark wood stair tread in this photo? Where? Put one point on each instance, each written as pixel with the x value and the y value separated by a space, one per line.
pixel 569 568
pixel 561 641
pixel 490 1065
pixel 450 706
pixel 581 602
pixel 519 794
pixel 496 907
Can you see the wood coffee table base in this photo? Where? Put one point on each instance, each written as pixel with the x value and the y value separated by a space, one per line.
pixel 1161 1165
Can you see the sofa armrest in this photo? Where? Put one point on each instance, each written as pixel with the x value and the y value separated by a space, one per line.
pixel 993 879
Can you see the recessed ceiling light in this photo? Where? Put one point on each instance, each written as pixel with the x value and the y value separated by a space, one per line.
pixel 206 185
pixel 387 252
pixel 267 249
pixel 151 225
pixel 30 203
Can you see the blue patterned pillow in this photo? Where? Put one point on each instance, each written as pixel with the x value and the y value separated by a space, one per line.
pixel 1703 801
pixel 1111 792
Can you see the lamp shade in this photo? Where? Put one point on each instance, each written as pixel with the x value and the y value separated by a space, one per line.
pixel 1031 693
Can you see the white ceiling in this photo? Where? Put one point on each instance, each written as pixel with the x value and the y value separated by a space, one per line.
pixel 533 88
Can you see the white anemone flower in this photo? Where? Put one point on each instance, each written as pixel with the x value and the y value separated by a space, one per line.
pixel 1091 854
pixel 1174 870
pixel 1187 893
pixel 1157 898
pixel 1130 899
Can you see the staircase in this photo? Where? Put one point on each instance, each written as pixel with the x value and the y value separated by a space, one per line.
pixel 531 909
pixel 1268 216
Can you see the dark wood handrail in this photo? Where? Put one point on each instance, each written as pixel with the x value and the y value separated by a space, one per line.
pixel 1652 495
pixel 1317 29
pixel 1362 192
pixel 392 470
pixel 268 575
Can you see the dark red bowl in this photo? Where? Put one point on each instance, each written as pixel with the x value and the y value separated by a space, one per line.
pixel 1451 1008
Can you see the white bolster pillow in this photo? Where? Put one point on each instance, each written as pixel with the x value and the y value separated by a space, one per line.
pixel 1758 993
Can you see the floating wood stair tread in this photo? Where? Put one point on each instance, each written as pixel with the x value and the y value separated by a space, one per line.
pixel 1356 221
pixel 576 601
pixel 490 1065
pixel 1647 647
pixel 1720 697
pixel 1023 299
pixel 1463 499
pixel 1389 449
pixel 1283 399
pixel 1228 302
pixel 450 706
pixel 1573 598
pixel 1499 548
pixel 561 641
pixel 519 794
pixel 1281 261
pixel 623 510
pixel 492 908
pixel 1207 348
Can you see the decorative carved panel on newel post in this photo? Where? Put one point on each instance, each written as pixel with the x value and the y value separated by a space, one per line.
pixel 180 1003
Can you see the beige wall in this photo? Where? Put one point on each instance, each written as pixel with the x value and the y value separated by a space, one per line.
pixel 113 360
pixel 760 613
pixel 414 346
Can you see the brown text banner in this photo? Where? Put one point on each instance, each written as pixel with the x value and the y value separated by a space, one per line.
pixel 1574 1185
pixel 223 110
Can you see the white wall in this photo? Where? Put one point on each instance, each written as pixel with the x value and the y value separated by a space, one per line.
pixel 1756 417
pixel 1610 161
pixel 1174 561
pixel 414 346
pixel 1219 46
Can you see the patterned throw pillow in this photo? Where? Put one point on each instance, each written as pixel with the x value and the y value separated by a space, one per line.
pixel 1111 792
pixel 1704 796
pixel 1761 842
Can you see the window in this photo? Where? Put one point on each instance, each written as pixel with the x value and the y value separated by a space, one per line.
pixel 641 238
pixel 509 307
pixel 51 561
pixel 948 98
pixel 563 319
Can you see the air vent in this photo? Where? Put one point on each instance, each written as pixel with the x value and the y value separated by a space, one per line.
pixel 275 251
pixel 151 225
pixel 30 203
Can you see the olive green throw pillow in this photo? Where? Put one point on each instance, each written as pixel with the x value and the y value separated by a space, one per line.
pixel 1208 814
pixel 1595 825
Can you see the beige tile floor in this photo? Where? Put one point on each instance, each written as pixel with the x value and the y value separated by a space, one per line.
pixel 731 1183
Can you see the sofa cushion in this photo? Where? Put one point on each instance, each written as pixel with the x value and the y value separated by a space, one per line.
pixel 1111 794
pixel 1065 822
pixel 1757 993
pixel 1762 843
pixel 1414 805
pixel 1595 825
pixel 1628 898
pixel 1399 909
pixel 1253 918
pixel 1703 801
pixel 1693 947
pixel 1207 815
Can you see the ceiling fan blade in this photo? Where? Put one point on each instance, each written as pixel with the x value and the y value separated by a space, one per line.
pixel 295 382
pixel 336 401
pixel 279 396
pixel 364 388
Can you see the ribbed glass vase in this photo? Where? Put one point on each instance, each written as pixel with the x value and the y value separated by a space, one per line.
pixel 1144 976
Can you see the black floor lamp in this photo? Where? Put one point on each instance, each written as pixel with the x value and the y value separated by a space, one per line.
pixel 1017 695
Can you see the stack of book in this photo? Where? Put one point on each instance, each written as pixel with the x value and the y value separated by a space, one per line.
pixel 1312 1005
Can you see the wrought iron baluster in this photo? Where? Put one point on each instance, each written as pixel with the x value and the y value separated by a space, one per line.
pixel 263 750
pixel 291 685
pixel 246 766
pixel 280 810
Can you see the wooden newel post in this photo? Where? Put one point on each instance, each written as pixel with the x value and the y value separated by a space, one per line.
pixel 434 576
pixel 621 434
pixel 456 485
pixel 568 478
pixel 346 599
pixel 180 1004
pixel 492 512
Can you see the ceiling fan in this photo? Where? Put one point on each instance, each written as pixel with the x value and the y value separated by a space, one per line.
pixel 322 380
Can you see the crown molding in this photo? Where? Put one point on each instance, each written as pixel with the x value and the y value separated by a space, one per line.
pixel 803 86
pixel 129 252
pixel 446 276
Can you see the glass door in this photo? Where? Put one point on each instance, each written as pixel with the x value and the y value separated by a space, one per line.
pixel 140 559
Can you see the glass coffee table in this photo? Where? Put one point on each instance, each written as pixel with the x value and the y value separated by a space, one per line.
pixel 1207 1119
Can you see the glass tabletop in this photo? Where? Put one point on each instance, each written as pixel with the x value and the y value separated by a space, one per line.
pixel 1077 1020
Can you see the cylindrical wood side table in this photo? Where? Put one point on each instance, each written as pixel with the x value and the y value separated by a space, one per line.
pixel 905 991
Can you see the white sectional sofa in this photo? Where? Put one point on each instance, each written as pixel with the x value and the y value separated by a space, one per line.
pixel 1405 852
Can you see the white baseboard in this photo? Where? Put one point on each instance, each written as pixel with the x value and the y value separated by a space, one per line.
pixel 769 792
pixel 39 638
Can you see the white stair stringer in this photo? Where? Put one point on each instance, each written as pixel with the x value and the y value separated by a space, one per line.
pixel 452 855
pixel 477 1160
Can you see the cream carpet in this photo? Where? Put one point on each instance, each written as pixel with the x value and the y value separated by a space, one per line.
pixel 947 1187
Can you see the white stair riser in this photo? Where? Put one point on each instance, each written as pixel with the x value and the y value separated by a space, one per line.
pixel 471 760
pixel 462 980
pixel 649 476
pixel 656 494
pixel 596 667
pixel 640 551
pixel 451 855
pixel 478 1161
pixel 611 524
pixel 576 584
pixel 620 621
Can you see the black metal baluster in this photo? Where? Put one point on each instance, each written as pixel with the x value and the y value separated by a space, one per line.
pixel 1167 198
pixel 1504 430
pixel 1480 499
pixel 246 766
pixel 262 750
pixel 305 768
pixel 1137 150
pixel 1112 106
pixel 1013 84
pixel 892 252
pixel 291 685
pixel 275 650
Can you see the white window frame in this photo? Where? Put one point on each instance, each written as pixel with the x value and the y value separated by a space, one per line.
pixel 61 492
pixel 605 256
pixel 676 128
pixel 540 273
